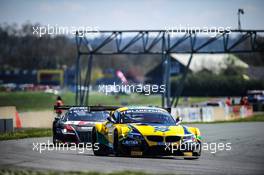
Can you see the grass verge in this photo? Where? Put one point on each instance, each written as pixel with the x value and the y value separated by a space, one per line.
pixel 26 133
pixel 34 101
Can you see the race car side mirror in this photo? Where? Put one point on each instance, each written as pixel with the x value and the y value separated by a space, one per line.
pixel 178 120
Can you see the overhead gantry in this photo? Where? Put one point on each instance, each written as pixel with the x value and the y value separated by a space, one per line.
pixel 163 43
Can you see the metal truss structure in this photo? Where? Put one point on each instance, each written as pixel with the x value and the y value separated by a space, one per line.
pixel 163 43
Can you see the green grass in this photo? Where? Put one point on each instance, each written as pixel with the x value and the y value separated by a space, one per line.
pixel 25 133
pixel 133 99
pixel 38 172
pixel 25 101
pixel 32 101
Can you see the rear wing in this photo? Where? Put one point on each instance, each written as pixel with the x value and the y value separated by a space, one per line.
pixel 89 108
pixel 95 108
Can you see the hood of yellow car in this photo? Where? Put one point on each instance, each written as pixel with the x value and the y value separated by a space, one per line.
pixel 161 130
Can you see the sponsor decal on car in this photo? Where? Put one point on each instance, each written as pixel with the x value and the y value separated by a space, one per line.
pixel 161 128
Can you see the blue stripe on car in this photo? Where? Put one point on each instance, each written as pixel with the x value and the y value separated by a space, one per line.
pixel 186 131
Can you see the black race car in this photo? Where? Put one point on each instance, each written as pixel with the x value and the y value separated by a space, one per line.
pixel 75 126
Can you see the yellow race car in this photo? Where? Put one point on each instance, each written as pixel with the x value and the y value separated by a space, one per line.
pixel 145 131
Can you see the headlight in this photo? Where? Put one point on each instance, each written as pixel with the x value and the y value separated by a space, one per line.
pixel 67 129
pixel 134 134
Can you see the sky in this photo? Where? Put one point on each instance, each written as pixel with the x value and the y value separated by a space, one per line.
pixel 134 14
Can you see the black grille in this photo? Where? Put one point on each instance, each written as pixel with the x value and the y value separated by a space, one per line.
pixel 155 138
pixel 172 138
pixel 85 136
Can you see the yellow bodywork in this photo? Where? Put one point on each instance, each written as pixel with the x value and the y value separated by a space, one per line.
pixel 146 138
pixel 145 130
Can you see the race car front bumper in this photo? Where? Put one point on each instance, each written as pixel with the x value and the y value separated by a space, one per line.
pixel 141 147
pixel 74 136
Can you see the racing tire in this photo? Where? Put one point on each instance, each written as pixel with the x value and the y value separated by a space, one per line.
pixel 116 145
pixel 196 153
pixel 55 140
pixel 98 148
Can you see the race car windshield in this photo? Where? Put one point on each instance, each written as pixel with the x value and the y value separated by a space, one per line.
pixel 87 116
pixel 148 118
